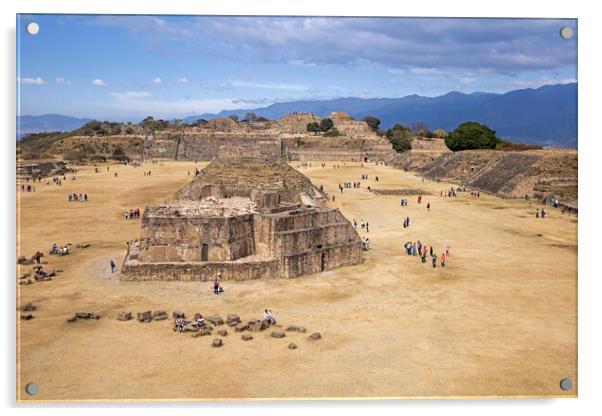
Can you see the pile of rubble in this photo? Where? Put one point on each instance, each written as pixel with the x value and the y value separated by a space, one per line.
pixel 26 310
pixel 83 316
pixel 211 322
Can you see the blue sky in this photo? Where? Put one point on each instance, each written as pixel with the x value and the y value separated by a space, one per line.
pixel 127 67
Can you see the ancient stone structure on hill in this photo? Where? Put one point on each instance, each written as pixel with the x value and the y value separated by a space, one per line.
pixel 536 173
pixel 247 215
pixel 41 169
pixel 287 137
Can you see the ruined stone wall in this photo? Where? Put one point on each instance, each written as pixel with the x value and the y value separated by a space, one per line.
pixel 344 149
pixel 207 271
pixel 308 240
pixel 206 146
pixel 173 239
pixel 327 258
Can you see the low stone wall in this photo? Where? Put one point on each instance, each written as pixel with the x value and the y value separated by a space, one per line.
pixel 133 270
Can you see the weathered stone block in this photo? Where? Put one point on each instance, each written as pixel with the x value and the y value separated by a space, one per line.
pixel 159 315
pixel 215 320
pixel 315 336
pixel 145 317
pixel 124 316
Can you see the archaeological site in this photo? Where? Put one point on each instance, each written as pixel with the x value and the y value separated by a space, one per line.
pixel 247 215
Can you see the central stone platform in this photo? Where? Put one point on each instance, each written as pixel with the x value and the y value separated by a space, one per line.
pixel 247 215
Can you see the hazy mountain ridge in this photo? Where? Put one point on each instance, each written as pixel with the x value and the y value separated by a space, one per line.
pixel 47 123
pixel 546 115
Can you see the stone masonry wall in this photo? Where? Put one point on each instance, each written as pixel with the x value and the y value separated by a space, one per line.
pixel 175 239
pixel 206 271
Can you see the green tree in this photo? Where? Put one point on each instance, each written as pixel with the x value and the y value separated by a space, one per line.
pixel 250 117
pixel 439 133
pixel 326 124
pixel 399 136
pixel 233 117
pixel 471 135
pixel 372 122
pixel 119 154
pixel 313 127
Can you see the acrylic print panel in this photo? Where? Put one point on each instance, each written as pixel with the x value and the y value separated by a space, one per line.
pixel 229 208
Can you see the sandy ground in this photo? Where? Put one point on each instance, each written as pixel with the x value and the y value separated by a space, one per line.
pixel 498 320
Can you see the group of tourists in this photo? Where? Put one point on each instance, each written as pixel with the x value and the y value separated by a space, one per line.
pixel 74 197
pixel 540 213
pixel 403 202
pixel 59 251
pixel 449 193
pixel 199 323
pixel 34 178
pixel 269 316
pixel 419 249
pixel 364 225
pixel 132 214
pixel 349 185
pixel 365 243
pixel 147 173
pixel 27 188
pixel 406 222
pixel 58 181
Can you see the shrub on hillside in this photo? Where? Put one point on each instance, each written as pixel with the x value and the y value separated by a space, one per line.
pixel 326 124
pixel 119 154
pixel 372 122
pixel 331 133
pixel 399 136
pixel 471 135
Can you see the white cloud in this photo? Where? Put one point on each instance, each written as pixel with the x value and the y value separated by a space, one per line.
pixel 545 80
pixel 98 82
pixel 142 105
pixel 135 94
pixel 62 81
pixel 270 86
pixel 183 80
pixel 32 81
pixel 157 80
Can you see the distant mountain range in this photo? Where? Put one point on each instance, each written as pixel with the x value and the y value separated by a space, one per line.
pixel 545 116
pixel 46 123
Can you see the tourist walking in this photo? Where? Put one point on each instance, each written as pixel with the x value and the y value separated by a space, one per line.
pixel 112 263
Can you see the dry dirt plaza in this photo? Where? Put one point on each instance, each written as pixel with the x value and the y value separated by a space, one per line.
pixel 499 319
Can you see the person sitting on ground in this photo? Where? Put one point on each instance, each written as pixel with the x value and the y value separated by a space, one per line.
pixel 54 249
pixel 200 322
pixel 64 251
pixel 269 316
pixel 179 324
